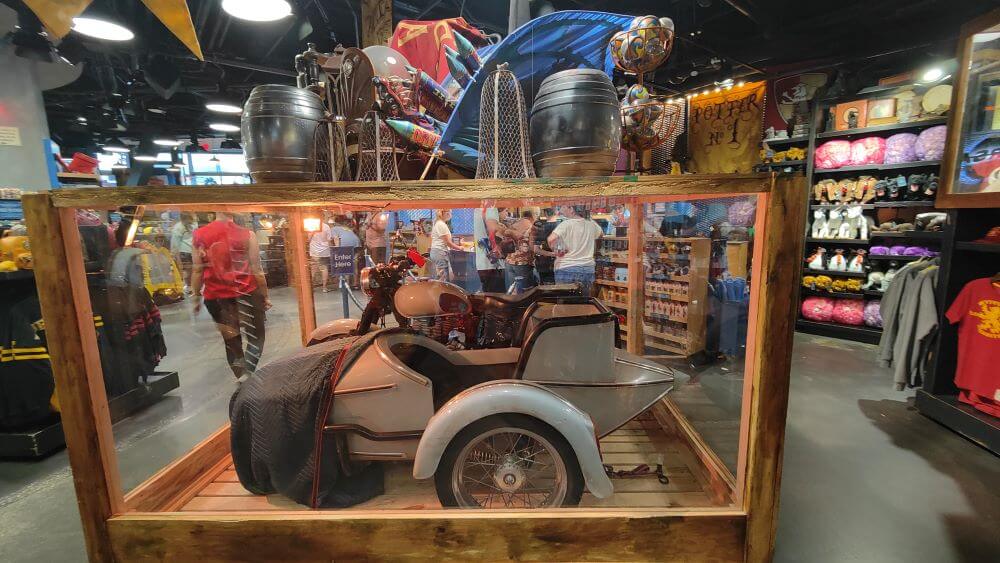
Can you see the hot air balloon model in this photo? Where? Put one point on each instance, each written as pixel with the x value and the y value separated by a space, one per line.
pixel 644 45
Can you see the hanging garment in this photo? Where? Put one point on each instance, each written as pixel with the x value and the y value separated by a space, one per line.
pixel 891 309
pixel 917 322
pixel 976 310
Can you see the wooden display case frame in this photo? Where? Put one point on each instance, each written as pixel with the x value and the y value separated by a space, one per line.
pixel 142 526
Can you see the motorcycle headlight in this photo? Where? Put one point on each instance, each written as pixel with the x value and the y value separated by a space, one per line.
pixel 367 283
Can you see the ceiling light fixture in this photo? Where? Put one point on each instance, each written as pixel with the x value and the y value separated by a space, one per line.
pixel 102 29
pixel 257 10
pixel 223 107
pixel 81 119
pixel 932 75
pixel 145 158
pixel 224 127
pixel 166 142
pixel 158 111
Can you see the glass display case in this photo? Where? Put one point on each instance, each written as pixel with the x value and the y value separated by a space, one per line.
pixel 568 423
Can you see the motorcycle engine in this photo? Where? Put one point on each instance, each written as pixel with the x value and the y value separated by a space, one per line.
pixel 434 308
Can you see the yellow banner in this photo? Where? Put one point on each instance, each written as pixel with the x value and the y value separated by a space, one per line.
pixel 175 15
pixel 57 15
pixel 724 130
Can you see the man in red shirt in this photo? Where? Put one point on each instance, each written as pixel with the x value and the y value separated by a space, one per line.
pixel 226 272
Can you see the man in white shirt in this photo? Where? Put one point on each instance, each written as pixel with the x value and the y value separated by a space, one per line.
pixel 319 252
pixel 487 230
pixel 573 242
pixel 180 245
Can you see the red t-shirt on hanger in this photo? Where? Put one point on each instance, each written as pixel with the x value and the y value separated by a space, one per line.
pixel 976 310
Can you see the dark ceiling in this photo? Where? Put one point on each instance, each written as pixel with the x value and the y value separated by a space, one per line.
pixel 716 39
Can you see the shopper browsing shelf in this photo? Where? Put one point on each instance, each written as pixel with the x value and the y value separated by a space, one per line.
pixel 521 262
pixel 375 237
pixel 319 253
pixel 488 231
pixel 226 272
pixel 544 256
pixel 441 245
pixel 573 242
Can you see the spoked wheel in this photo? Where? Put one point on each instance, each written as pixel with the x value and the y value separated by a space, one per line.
pixel 509 461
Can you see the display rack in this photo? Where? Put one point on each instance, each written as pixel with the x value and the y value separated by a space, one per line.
pixel 675 305
pixel 903 209
pixel 738 524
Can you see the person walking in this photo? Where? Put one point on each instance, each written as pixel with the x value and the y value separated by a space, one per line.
pixel 375 237
pixel 487 231
pixel 319 253
pixel 441 245
pixel 180 246
pixel 544 256
pixel 345 236
pixel 521 262
pixel 226 273
pixel 573 242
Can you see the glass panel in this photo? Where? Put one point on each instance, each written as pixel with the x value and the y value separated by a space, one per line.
pixel 978 170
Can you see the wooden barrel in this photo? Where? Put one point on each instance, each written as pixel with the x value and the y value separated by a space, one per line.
pixel 576 125
pixel 279 131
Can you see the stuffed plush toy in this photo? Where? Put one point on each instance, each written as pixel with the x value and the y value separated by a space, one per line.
pixel 824 283
pixel 833 154
pixel 817 308
pixel 899 148
pixel 795 153
pixel 857 261
pixel 932 221
pixel 836 218
pixel 897 250
pixel 837 262
pixel 930 143
pixel 888 276
pixel 815 261
pixel 849 311
pixel 852 285
pixel 819 224
pixel 874 281
pixel 809 282
pixel 839 285
pixel 869 150
pixel 873 313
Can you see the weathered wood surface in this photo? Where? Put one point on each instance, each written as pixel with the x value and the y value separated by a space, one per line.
pixel 173 485
pixel 720 481
pixel 76 367
pixel 445 193
pixel 636 278
pixel 775 326
pixel 298 247
pixel 569 535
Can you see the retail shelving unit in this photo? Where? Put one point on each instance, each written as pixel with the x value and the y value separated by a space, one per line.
pixel 679 333
pixel 904 208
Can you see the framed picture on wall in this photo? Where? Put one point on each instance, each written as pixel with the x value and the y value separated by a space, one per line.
pixel 882 112
pixel 851 115
pixel 970 172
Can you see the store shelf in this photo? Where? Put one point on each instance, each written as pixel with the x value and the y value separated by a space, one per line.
pixel 848 332
pixel 613 305
pixel 17 275
pixel 810 271
pixel 612 283
pixel 979 246
pixel 668 296
pixel 671 337
pixel 666 347
pixel 788 141
pixel 684 279
pixel 876 205
pixel 660 317
pixel 833 294
pixel 977 426
pixel 612 260
pixel 908 234
pixel 883 128
pixel 784 163
pixel 838 240
pixel 879 167
pixel 609 237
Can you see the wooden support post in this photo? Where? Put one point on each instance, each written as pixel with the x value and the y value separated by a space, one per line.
pixel 773 331
pixel 636 278
pixel 76 367
pixel 376 22
pixel 300 266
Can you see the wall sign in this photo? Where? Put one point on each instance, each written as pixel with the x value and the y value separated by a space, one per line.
pixel 342 260
pixel 725 130
pixel 10 136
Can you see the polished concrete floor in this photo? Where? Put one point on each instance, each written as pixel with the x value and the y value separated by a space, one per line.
pixel 866 478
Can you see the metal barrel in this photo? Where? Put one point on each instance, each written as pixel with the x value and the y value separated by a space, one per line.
pixel 279 131
pixel 575 125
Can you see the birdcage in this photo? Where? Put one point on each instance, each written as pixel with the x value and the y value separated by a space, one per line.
pixel 651 123
pixel 503 129
pixel 378 153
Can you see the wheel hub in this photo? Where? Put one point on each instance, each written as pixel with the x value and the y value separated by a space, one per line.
pixel 509 476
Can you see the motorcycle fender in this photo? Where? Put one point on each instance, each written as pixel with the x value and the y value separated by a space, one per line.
pixel 332 330
pixel 513 397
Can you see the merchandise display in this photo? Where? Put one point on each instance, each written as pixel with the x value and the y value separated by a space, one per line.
pixel 977 312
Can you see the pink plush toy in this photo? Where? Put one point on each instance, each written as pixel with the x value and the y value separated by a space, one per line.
pixel 833 154
pixel 849 311
pixel 817 308
pixel 870 150
pixel 899 148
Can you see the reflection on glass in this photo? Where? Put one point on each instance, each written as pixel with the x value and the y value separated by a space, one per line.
pixel 979 166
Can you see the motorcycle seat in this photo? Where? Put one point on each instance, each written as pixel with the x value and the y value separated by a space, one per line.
pixel 515 303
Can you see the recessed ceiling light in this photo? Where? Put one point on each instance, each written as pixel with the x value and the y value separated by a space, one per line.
pixel 145 158
pixel 173 169
pixel 102 29
pixel 166 142
pixel 224 127
pixel 223 108
pixel 257 10
pixel 932 74
pixel 156 110
pixel 81 119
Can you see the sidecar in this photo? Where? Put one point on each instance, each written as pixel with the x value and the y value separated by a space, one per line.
pixel 503 427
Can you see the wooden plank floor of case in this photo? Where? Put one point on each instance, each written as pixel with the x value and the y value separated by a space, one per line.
pixel 640 441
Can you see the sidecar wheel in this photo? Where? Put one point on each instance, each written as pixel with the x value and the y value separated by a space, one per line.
pixel 509 461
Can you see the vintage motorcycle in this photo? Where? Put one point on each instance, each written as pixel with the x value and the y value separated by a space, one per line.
pixel 509 427
pixel 437 309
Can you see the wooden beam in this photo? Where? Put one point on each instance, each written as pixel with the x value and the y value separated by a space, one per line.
pixel 782 239
pixel 76 367
pixel 167 489
pixel 465 192
pixel 464 535
pixel 636 278
pixel 303 276
pixel 376 22
pixel 720 480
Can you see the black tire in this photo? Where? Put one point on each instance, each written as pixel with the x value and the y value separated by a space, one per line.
pixel 574 477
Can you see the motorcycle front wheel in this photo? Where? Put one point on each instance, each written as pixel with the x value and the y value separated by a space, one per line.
pixel 509 461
